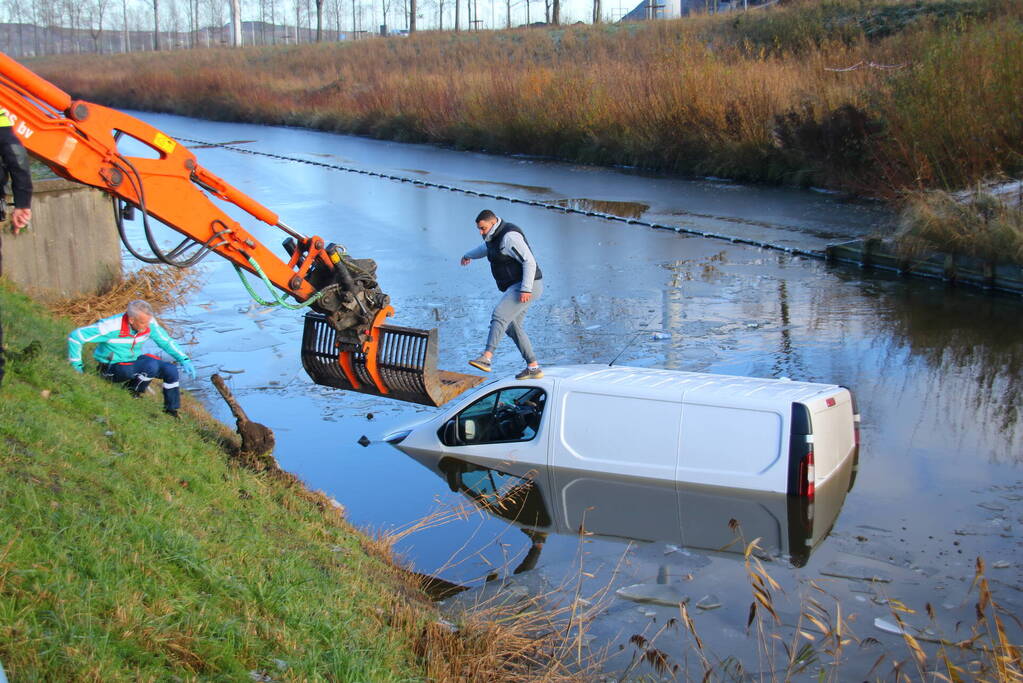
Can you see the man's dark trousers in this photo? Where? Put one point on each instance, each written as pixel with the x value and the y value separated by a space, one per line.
pixel 136 377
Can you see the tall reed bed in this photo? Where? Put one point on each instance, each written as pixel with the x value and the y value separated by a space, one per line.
pixel 873 96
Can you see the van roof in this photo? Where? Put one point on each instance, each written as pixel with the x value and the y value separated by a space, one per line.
pixel 671 384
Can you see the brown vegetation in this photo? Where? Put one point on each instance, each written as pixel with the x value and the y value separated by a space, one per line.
pixel 162 286
pixel 980 225
pixel 868 96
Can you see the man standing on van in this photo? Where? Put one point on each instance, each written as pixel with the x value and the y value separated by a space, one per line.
pixel 517 275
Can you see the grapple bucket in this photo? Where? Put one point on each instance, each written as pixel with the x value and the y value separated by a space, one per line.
pixel 404 366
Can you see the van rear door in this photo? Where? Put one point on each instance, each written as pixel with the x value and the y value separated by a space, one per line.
pixel 833 432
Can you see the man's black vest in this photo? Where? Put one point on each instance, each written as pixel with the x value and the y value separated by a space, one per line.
pixel 507 271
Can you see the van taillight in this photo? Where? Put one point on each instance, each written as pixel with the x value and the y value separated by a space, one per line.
pixel 807 474
pixel 856 430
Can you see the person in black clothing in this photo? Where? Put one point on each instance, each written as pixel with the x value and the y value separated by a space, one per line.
pixel 13 165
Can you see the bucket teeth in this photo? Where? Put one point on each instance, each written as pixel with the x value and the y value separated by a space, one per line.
pixel 406 364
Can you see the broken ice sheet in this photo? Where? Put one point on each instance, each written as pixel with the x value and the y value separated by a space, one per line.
pixel 846 570
pixel 653 593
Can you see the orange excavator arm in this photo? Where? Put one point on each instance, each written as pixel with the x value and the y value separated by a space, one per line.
pixel 77 140
pixel 80 141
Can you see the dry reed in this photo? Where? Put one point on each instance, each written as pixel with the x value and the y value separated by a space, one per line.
pixel 979 225
pixel 799 93
pixel 162 286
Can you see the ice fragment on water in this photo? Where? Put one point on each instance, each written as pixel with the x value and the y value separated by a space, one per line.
pixel 843 570
pixel 888 627
pixel 653 593
pixel 709 602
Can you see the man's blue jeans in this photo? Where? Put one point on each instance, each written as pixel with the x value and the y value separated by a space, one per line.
pixel 507 319
pixel 136 377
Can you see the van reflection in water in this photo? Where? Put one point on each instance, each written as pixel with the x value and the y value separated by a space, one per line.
pixel 545 500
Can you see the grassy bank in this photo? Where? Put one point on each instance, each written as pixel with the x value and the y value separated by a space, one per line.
pixel 974 223
pixel 873 96
pixel 134 547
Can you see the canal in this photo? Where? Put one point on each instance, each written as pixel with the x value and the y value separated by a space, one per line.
pixel 937 374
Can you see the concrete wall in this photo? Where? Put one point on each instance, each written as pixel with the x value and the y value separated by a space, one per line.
pixel 71 247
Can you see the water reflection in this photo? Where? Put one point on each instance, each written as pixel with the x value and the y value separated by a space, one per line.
pixel 973 342
pixel 623 209
pixel 534 189
pixel 552 500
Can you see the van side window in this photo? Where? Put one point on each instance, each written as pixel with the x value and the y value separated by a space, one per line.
pixel 504 416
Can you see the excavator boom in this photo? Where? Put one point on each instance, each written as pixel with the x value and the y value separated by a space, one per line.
pixel 83 141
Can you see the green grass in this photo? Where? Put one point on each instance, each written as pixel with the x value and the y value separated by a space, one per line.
pixel 133 549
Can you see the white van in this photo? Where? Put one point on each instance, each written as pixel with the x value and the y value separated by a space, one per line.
pixel 738 432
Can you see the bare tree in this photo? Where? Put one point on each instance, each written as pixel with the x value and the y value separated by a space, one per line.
pixel 458 7
pixel 125 40
pixel 596 12
pixel 156 25
pixel 412 16
pixel 236 23
pixel 98 8
pixel 215 19
pixel 16 11
pixel 556 12
pixel 319 21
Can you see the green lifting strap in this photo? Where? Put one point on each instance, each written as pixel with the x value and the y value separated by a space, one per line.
pixel 278 300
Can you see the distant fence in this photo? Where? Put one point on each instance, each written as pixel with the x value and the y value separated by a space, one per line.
pixel 71 248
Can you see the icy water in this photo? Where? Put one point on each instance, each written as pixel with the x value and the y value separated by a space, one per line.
pixel 937 374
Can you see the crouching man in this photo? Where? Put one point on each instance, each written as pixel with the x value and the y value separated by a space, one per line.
pixel 119 342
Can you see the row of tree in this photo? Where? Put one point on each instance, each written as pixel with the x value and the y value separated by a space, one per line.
pixel 38 27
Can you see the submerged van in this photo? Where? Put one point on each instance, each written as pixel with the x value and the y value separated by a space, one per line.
pixel 771 435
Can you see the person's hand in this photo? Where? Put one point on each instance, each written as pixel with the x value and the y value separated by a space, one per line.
pixel 524 297
pixel 465 261
pixel 187 366
pixel 77 365
pixel 20 219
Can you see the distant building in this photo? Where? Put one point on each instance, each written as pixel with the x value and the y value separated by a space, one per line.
pixel 661 9
pixel 673 9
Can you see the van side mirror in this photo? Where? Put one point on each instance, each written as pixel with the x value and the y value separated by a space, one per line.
pixel 450 433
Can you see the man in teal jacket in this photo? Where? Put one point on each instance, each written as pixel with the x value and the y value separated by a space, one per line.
pixel 119 342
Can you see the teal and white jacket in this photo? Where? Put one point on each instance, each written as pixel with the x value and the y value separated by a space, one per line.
pixel 117 342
